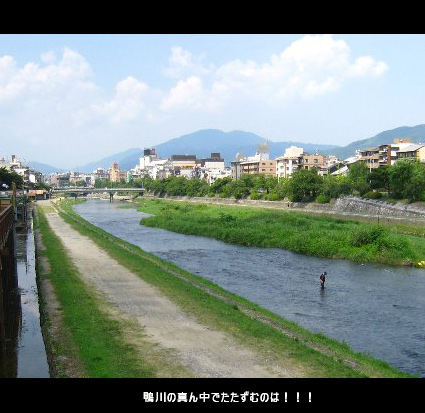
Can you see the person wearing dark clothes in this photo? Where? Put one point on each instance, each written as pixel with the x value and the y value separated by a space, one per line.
pixel 323 279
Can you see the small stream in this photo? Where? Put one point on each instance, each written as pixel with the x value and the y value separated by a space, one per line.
pixel 375 309
pixel 31 353
pixel 24 356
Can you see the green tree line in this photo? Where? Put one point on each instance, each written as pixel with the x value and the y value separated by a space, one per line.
pixel 403 180
pixel 7 178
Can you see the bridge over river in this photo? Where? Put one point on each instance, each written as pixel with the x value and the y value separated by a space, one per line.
pixel 85 190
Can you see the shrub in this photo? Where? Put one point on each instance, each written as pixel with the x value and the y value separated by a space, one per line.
pixel 227 219
pixel 273 197
pixel 323 199
pixel 365 236
pixel 255 195
pixel 372 195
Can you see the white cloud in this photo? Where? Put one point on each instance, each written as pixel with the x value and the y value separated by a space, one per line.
pixel 182 64
pixel 367 66
pixel 36 82
pixel 49 57
pixel 128 102
pixel 311 66
pixel 186 94
pixel 58 97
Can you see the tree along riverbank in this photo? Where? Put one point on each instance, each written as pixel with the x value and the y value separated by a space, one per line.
pixel 125 350
pixel 311 234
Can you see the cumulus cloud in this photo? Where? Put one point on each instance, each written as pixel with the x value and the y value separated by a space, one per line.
pixel 58 96
pixel 182 63
pixel 128 102
pixel 311 66
pixel 35 81
pixel 187 94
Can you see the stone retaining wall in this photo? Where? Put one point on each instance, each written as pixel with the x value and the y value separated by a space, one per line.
pixel 349 204
pixel 376 207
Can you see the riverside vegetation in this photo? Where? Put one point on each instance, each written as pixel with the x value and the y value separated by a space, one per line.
pixel 321 236
pixel 97 343
pixel 405 180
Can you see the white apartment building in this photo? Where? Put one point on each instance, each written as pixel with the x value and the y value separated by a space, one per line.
pixel 290 162
pixel 388 152
pixel 213 174
pixel 152 165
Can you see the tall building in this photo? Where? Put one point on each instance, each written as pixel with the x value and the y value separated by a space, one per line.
pixel 290 162
pixel 295 159
pixel 260 163
pixel 387 153
pixel 115 174
pixel 265 167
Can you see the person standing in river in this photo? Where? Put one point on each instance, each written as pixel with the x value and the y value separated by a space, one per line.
pixel 323 279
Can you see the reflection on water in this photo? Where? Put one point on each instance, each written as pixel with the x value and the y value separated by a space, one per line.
pixel 32 359
pixel 23 353
pixel 10 309
pixel 375 309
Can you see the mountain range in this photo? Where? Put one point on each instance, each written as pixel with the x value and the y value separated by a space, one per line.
pixel 202 143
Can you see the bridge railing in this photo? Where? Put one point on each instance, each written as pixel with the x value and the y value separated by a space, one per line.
pixel 6 223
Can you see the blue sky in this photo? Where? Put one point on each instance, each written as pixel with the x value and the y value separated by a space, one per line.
pixel 69 99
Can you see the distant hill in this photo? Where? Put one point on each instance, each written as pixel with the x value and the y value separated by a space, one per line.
pixel 203 142
pixel 43 168
pixel 228 144
pixel 415 133
pixel 126 160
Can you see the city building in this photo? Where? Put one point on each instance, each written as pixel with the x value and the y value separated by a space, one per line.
pixel 414 152
pixel 116 175
pixel 260 163
pixel 213 174
pixel 150 164
pixel 370 156
pixel 30 176
pixel 317 161
pixel 290 162
pixel 182 165
pixel 60 179
pixel 388 152
pixel 265 167
pixel 215 161
pixel 235 166
pixel 100 173
pixel 295 159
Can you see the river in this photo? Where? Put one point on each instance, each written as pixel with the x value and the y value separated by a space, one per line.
pixel 375 309
pixel 32 358
pixel 24 356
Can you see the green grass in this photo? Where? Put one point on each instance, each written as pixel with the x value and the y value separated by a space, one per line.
pixel 304 233
pixel 274 337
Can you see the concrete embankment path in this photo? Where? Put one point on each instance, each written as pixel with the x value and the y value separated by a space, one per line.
pixel 200 350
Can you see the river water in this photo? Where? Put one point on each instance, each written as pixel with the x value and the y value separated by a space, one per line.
pixel 24 355
pixel 31 352
pixel 375 309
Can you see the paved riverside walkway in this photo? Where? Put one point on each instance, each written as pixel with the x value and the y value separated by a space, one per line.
pixel 202 351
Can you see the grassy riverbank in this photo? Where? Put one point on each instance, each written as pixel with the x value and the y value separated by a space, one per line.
pixel 82 340
pixel 316 235
pixel 280 340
